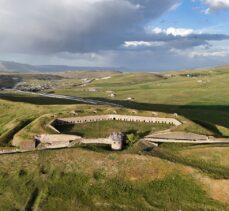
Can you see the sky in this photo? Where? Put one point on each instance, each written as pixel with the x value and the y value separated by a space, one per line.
pixel 140 35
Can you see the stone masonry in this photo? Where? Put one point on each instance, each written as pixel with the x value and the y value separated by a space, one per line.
pixel 86 119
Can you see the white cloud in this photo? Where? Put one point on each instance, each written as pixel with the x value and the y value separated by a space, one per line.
pixel 158 30
pixel 135 44
pixel 215 5
pixel 202 52
pixel 179 31
pixel 183 32
pixel 101 33
pixel 208 54
pixel 175 6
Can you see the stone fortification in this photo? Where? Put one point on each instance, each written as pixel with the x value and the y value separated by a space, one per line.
pixel 55 141
pixel 86 119
pixel 48 141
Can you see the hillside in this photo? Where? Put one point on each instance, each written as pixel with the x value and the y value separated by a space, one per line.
pixel 202 97
pixel 10 66
pixel 141 176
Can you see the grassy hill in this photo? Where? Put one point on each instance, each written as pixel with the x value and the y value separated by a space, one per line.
pixel 201 96
pixel 141 177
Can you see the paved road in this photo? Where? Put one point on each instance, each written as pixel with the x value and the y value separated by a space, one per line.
pixel 77 99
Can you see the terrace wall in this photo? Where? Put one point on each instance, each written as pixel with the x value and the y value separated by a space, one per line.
pixel 87 119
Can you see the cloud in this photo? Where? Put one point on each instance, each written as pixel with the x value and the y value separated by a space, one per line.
pixel 144 44
pixel 171 37
pixel 202 52
pixel 51 26
pixel 103 33
pixel 215 5
pixel 170 58
pixel 183 32
pixel 175 6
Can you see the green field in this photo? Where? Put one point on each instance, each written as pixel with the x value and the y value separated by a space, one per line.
pixel 203 97
pixel 105 128
pixel 142 177
pixel 57 180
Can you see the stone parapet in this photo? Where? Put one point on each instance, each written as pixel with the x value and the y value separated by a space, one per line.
pixel 87 119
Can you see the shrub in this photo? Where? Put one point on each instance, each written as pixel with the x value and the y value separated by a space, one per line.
pixel 132 139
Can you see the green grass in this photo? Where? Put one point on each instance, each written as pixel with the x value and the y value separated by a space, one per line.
pixel 205 101
pixel 103 129
pixel 66 180
pixel 117 194
pixel 53 188
pixel 170 152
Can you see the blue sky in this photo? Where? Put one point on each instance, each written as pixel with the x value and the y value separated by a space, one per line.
pixel 139 35
pixel 190 14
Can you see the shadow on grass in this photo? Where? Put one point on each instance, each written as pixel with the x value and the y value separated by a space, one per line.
pixel 102 148
pixel 6 137
pixel 69 129
pixel 136 132
pixel 37 100
pixel 32 199
pixel 210 127
pixel 207 115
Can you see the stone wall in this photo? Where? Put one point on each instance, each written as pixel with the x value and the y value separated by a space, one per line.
pixel 9 151
pixel 63 140
pixel 48 141
pixel 87 119
pixel 55 141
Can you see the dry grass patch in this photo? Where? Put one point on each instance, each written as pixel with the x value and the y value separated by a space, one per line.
pixel 217 189
pixel 215 155
pixel 129 166
pixel 135 167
